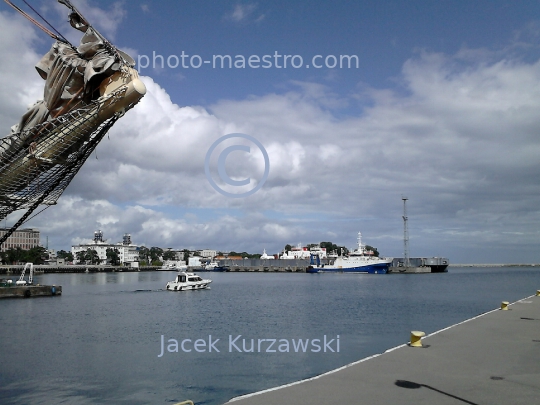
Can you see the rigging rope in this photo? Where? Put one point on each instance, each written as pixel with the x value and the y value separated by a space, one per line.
pixel 74 167
pixel 43 18
pixel 47 206
pixel 37 24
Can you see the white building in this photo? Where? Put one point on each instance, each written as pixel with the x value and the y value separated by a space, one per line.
pixel 194 261
pixel 300 252
pixel 127 251
pixel 178 254
pixel 208 253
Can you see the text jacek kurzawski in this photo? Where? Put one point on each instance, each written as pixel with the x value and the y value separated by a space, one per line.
pixel 239 344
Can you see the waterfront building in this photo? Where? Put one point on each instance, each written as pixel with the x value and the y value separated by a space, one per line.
pixel 180 254
pixel 208 253
pixel 227 257
pixel 127 251
pixel 300 252
pixel 22 238
pixel 194 261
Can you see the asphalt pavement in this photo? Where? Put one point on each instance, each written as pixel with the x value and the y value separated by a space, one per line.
pixel 490 359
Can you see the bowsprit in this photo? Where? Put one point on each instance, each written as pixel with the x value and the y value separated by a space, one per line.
pixel 87 89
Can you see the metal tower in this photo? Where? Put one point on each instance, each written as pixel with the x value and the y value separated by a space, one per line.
pixel 405 233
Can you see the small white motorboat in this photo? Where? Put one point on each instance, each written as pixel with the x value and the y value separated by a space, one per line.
pixel 173 266
pixel 187 281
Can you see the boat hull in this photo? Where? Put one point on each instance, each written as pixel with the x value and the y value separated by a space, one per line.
pixel 188 281
pixel 220 268
pixel 187 287
pixel 437 264
pixel 375 268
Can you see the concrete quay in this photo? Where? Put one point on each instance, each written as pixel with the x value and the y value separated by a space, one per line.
pixel 29 291
pixel 409 270
pixel 492 359
pixel 269 269
pixel 15 270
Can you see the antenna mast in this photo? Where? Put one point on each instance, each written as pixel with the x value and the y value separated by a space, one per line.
pixel 405 232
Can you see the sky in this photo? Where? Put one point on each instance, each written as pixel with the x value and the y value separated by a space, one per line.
pixel 435 101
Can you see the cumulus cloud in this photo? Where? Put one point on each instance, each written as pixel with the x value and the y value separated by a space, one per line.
pixel 459 137
pixel 20 86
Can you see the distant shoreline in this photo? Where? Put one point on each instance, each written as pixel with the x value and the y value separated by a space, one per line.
pixel 48 269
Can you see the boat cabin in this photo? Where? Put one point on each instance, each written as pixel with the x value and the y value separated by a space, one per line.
pixel 182 278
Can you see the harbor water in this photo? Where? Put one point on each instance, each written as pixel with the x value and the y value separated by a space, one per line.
pixel 110 337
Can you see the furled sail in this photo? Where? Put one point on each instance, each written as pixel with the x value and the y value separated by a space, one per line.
pixel 87 88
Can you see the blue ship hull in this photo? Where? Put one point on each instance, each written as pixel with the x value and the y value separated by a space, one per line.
pixel 220 268
pixel 379 268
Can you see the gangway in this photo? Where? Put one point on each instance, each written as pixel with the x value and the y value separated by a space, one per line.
pixel 21 280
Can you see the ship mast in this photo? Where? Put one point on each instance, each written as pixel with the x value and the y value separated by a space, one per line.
pixel 405 233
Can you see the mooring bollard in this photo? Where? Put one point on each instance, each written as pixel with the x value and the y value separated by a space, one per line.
pixel 504 305
pixel 416 338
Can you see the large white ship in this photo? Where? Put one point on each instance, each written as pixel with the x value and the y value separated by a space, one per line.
pixel 360 260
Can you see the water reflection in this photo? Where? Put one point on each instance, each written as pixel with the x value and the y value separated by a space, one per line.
pixel 98 342
pixel 102 278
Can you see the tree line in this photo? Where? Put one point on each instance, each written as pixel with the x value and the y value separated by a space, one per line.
pixel 332 247
pixel 147 256
pixel 91 256
pixel 36 255
pixel 153 256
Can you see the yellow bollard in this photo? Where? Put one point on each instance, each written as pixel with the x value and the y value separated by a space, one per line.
pixel 538 293
pixel 504 305
pixel 416 338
